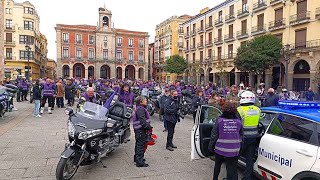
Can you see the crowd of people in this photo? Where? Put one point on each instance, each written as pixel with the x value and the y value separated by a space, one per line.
pixel 235 130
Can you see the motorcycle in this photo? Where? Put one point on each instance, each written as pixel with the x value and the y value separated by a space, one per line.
pixel 186 105
pixel 93 133
pixel 6 96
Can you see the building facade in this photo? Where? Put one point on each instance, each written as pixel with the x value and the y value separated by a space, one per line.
pixel 51 69
pixel 212 37
pixel 151 61
pixel 101 51
pixel 1 42
pixel 168 42
pixel 21 33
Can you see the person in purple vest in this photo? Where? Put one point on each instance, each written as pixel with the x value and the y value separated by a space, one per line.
pixel 225 142
pixel 88 96
pixel 141 124
pixel 126 96
pixel 48 93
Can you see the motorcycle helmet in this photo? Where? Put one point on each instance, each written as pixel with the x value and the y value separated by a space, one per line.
pixel 247 97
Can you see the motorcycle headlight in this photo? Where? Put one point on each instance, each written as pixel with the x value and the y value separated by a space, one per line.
pixel 71 129
pixel 88 134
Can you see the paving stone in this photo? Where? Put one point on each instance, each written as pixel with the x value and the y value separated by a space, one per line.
pixel 38 171
pixel 29 163
pixel 6 164
pixel 12 173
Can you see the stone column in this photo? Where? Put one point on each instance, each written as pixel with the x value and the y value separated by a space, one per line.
pixel 136 73
pixel 290 81
pixel 123 73
pixel 313 82
pixel 71 72
pixel 251 81
pixel 268 79
pixel 97 70
pixel 86 73
pixel 237 78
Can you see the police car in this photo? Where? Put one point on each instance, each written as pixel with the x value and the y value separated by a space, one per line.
pixel 289 143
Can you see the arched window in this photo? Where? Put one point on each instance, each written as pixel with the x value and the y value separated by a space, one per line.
pixel 78 71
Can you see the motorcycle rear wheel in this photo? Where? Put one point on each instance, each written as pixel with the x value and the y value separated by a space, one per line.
pixel 63 172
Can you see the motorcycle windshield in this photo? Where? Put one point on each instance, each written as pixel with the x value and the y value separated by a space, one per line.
pixel 2 89
pixel 94 111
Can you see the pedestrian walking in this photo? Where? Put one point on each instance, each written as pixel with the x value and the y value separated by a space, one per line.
pixel 141 124
pixel 197 101
pixel 309 95
pixel 70 92
pixel 162 101
pixel 37 98
pixel 60 94
pixel 48 89
pixel 225 142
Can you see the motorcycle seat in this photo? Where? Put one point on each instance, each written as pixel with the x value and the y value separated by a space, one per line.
pixel 117 112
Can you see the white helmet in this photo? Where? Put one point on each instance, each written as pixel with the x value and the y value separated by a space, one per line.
pixel 247 97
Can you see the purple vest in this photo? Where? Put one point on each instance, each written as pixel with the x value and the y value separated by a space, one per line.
pixel 24 85
pixel 229 141
pixel 48 89
pixel 136 122
pixel 127 98
pixel 85 95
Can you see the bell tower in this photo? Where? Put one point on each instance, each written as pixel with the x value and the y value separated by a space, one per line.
pixel 105 19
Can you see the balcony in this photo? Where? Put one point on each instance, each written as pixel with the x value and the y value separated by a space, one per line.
pixel 193 47
pixel 200 45
pixel 180 45
pixel 243 12
pixel 10 58
pixel 318 13
pixel 242 34
pixel 302 46
pixel 218 40
pixel 10 28
pixel 230 18
pixel 256 30
pixel 209 43
pixel 229 38
pixel 278 24
pixel 10 43
pixel 229 56
pixel 180 31
pixel 193 33
pixel 187 35
pixel 218 22
pixel 119 44
pixel 186 49
pixel 259 6
pixel 141 62
pixel 65 41
pixel 301 18
pixel 200 30
pixel 130 46
pixel 275 2
pixel 209 26
pixel 79 58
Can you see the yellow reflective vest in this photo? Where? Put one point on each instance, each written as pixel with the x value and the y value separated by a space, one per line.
pixel 250 116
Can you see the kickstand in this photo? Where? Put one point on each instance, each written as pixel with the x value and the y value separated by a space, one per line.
pixel 104 166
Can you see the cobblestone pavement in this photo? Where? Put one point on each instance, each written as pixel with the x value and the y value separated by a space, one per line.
pixel 30 149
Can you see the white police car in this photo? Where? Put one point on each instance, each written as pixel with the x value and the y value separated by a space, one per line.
pixel 289 147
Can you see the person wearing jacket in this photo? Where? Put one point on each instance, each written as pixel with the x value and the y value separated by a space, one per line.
pixel 141 124
pixel 70 92
pixel 48 89
pixel 36 97
pixel 24 88
pixel 271 98
pixel 171 108
pixel 197 101
pixel 225 142
pixel 309 95
pixel 60 94
pixel 126 96
pixel 162 100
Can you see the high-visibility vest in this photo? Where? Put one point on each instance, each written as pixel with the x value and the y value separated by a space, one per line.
pixel 250 116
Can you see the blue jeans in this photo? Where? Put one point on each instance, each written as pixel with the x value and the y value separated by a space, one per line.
pixel 36 107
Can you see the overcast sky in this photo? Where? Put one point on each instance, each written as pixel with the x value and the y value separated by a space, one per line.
pixel 139 15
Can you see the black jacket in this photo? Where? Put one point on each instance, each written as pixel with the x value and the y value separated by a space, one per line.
pixel 36 92
pixel 141 116
pixel 171 108
pixel 162 100
pixel 197 101
pixel 271 100
pixel 70 91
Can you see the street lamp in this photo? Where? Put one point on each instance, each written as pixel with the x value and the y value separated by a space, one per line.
pixel 286 55
pixel 28 55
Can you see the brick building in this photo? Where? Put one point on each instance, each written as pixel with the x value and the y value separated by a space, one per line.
pixel 1 42
pixel 151 62
pixel 101 51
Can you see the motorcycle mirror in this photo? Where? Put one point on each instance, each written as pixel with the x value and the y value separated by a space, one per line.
pixel 68 111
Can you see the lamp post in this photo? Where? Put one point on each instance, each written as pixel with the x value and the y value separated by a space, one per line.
pixel 286 55
pixel 28 55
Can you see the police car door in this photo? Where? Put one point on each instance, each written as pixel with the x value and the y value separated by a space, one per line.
pixel 201 131
pixel 287 148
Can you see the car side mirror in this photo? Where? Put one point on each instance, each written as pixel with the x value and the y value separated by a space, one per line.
pixel 68 111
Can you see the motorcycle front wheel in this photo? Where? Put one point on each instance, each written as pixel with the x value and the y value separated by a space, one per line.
pixel 66 168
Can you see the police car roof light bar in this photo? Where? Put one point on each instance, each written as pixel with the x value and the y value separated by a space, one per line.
pixel 299 104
